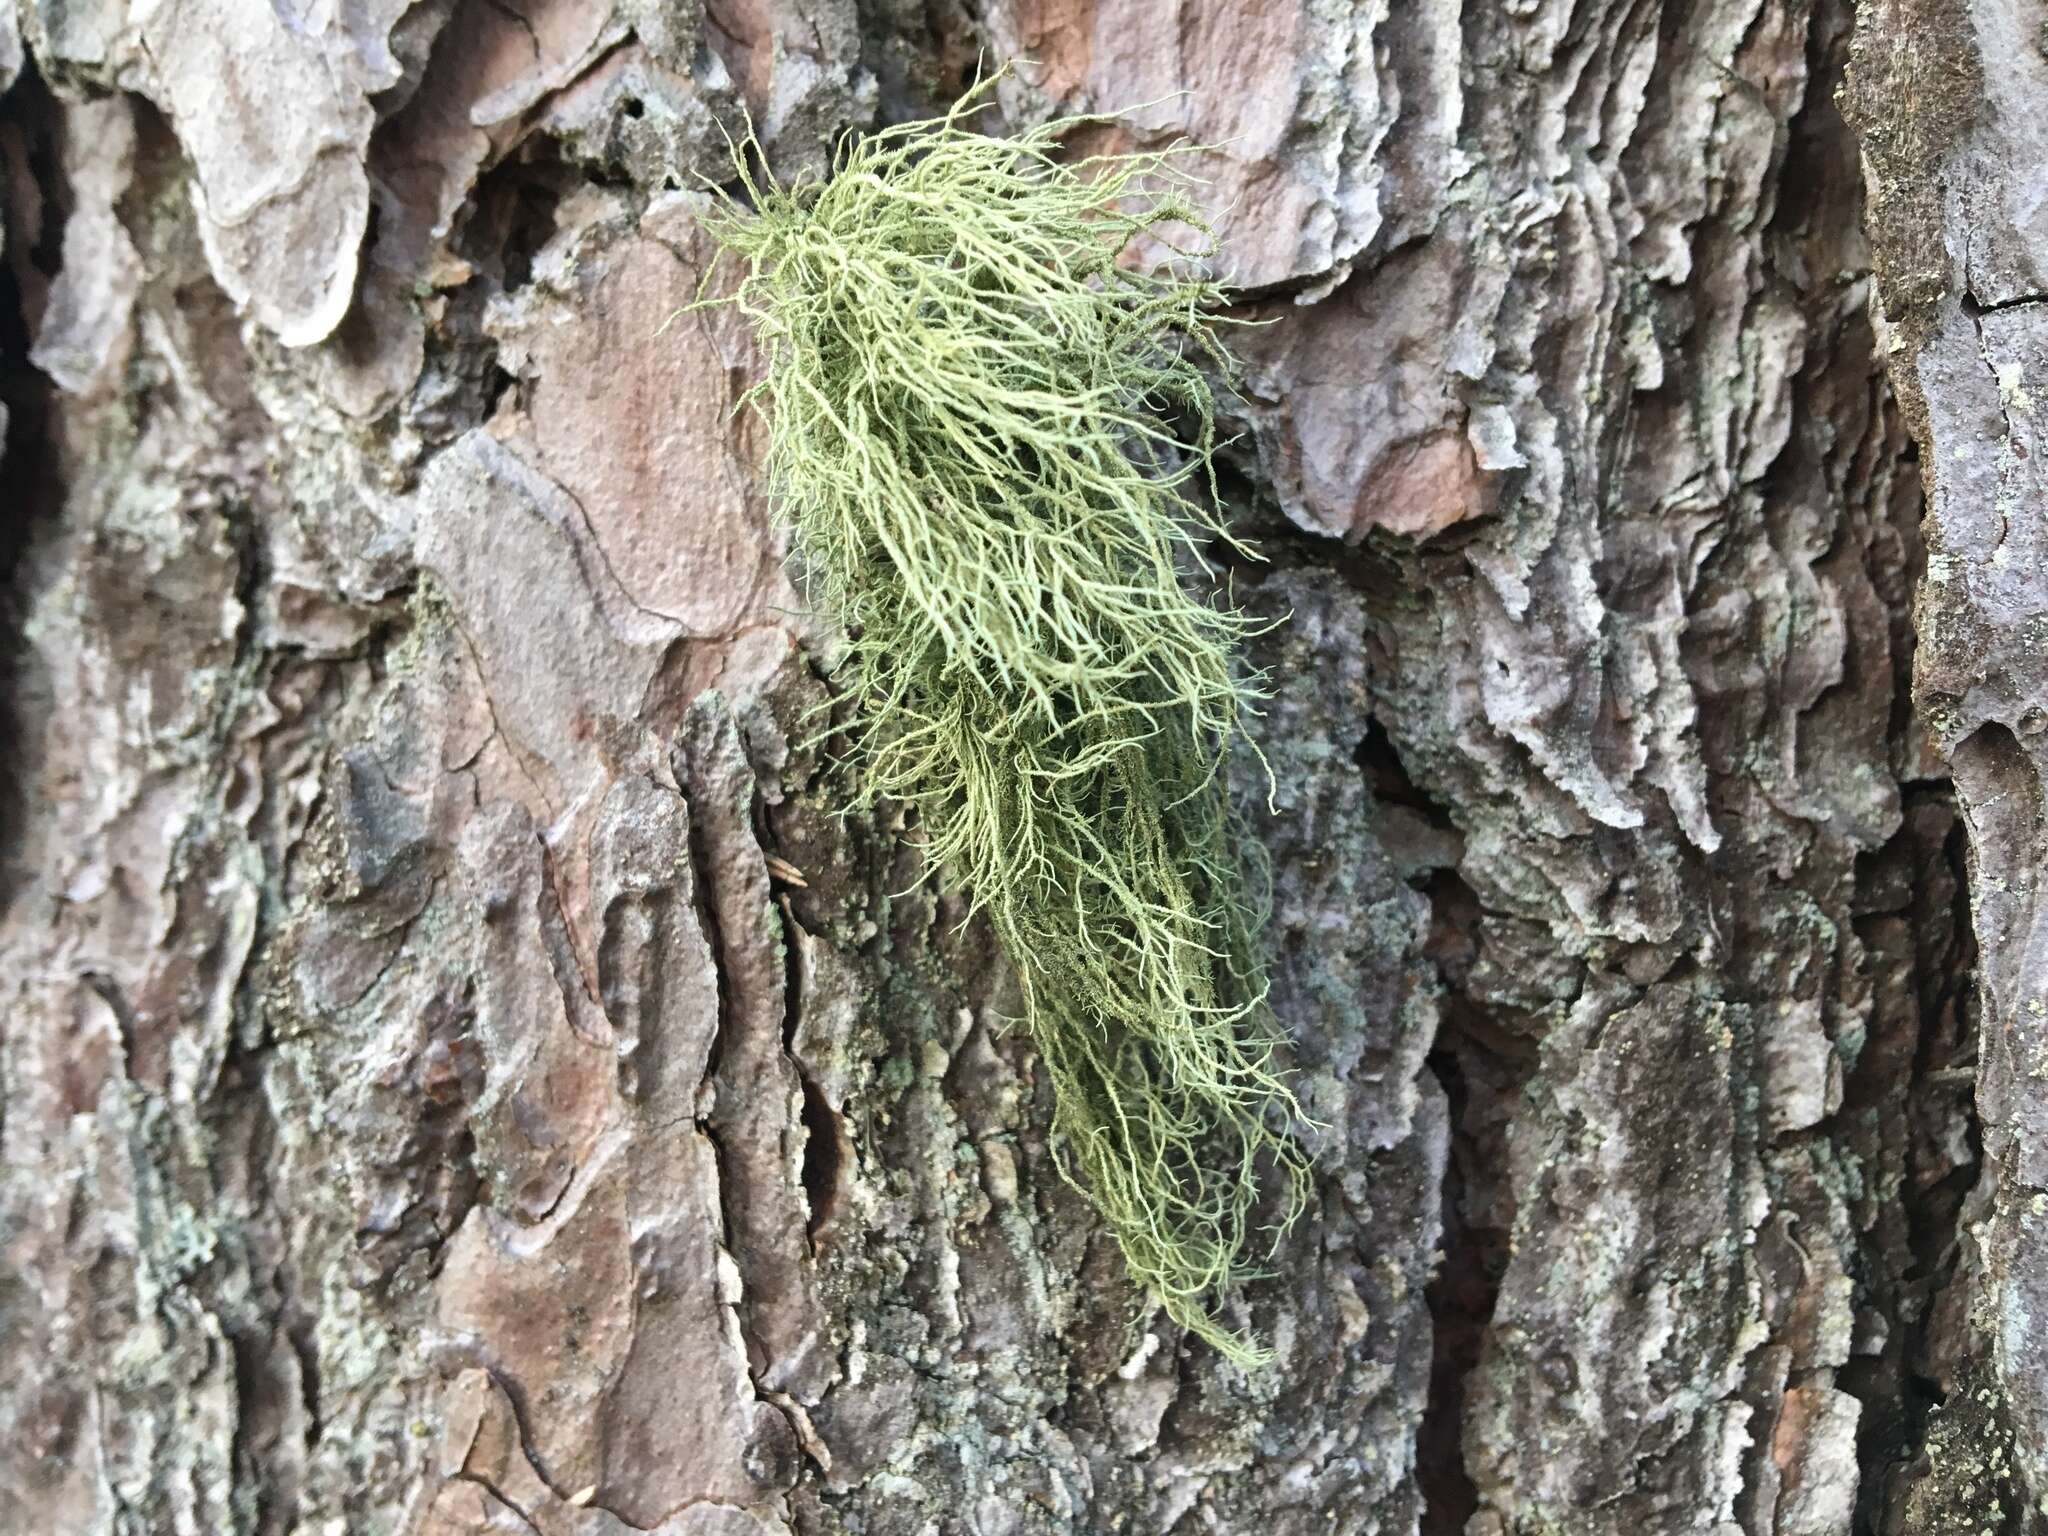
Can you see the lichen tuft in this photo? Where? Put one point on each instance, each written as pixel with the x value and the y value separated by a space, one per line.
pixel 974 410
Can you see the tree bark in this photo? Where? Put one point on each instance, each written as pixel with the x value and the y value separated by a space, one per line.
pixel 463 1072
pixel 1951 137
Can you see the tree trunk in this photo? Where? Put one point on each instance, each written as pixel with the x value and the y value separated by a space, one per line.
pixel 463 1072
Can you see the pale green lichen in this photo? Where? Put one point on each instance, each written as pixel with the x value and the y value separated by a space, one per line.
pixel 973 404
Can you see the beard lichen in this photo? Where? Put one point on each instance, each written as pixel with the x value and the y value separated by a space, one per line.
pixel 973 407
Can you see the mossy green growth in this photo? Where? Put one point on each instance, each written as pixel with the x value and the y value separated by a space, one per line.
pixel 973 408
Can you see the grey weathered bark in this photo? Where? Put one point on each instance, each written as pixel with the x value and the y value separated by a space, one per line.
pixel 1948 100
pixel 459 1072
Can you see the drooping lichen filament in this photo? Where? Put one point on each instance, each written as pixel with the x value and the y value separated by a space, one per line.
pixel 977 430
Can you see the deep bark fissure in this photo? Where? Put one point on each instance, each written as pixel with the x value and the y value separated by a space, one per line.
pixel 29 123
pixel 252 1293
pixel 1472 1252
pixel 1921 877
pixel 1461 1301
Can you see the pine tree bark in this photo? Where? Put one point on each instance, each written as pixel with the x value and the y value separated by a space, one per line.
pixel 462 1072
pixel 1949 125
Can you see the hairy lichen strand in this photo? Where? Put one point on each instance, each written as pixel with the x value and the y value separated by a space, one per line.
pixel 973 408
